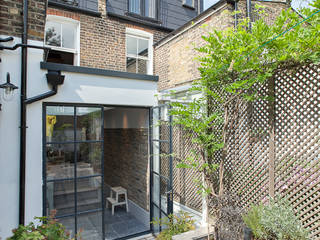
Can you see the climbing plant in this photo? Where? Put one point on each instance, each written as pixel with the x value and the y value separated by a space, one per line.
pixel 233 62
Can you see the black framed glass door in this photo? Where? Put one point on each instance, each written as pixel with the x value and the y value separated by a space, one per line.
pixel 161 163
pixel 73 179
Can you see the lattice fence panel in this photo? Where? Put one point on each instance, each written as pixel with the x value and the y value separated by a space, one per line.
pixel 248 151
pixel 298 143
pixel 295 113
pixel 185 180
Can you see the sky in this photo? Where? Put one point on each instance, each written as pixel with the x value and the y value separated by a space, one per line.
pixel 295 3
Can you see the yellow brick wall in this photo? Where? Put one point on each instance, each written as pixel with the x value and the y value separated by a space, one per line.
pixel 175 62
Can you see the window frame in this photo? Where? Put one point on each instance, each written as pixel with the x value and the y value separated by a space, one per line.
pixel 185 4
pixel 143 9
pixel 61 20
pixel 142 35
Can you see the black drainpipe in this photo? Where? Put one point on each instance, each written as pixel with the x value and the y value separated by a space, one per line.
pixel 54 78
pixel 23 126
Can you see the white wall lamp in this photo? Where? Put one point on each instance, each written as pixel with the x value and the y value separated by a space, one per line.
pixel 8 89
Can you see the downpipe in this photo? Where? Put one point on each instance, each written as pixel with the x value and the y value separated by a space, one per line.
pixel 54 78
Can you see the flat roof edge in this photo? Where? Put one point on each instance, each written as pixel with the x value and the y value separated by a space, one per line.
pixel 97 71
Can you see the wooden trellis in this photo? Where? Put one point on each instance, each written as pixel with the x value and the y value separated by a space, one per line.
pixel 275 151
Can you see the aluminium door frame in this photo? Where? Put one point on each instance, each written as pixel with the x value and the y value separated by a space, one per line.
pixel 170 185
pixel 75 178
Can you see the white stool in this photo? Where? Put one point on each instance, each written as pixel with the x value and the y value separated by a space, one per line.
pixel 115 201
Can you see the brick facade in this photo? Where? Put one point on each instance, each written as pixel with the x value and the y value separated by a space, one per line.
pixel 103 39
pixel 11 18
pixel 174 56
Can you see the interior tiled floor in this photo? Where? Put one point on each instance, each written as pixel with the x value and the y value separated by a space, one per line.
pixel 122 224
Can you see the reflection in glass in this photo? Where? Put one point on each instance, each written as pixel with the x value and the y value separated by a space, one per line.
pixel 90 225
pixel 156 216
pixel 163 193
pixel 143 45
pixel 131 65
pixel 68 33
pixel 189 2
pixel 53 34
pixel 89 194
pixel 134 6
pixel 60 197
pixel 150 8
pixel 89 157
pixel 155 189
pixel 59 124
pixel 132 44
pixel 142 66
pixel 69 225
pixel 89 124
pixel 60 161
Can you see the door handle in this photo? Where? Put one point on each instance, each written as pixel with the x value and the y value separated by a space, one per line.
pixel 170 194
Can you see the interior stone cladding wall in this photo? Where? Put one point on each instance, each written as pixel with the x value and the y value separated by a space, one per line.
pixel 126 162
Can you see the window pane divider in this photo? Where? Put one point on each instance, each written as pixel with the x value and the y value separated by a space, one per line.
pixel 138 57
pixel 73 178
pixel 77 142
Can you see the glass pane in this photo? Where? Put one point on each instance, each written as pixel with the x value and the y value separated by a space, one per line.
pixel 143 45
pixel 165 160
pixel 90 225
pixel 142 66
pixel 156 145
pixel 60 161
pixel 156 216
pixel 163 215
pixel 69 225
pixel 53 34
pixel 89 124
pixel 68 35
pixel 134 6
pixel 156 189
pixel 189 2
pixel 60 124
pixel 89 194
pixel 150 8
pixel 164 196
pixel 89 157
pixel 132 44
pixel 131 65
pixel 60 197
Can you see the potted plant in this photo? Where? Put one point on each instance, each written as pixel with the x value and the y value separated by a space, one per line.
pixel 275 220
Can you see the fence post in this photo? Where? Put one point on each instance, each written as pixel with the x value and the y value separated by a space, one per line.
pixel 272 150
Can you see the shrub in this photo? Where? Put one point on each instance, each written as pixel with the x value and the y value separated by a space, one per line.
pixel 174 224
pixel 48 229
pixel 275 220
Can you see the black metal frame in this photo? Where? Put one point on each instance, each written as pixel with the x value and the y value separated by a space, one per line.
pixel 152 172
pixel 75 178
pixel 102 209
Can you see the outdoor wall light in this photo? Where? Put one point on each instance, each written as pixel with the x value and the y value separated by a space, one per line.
pixel 9 88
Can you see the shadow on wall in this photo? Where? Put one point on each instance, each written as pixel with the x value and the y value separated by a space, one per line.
pixel 126 160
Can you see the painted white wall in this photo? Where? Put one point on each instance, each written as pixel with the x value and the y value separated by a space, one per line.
pixel 9 145
pixel 78 88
